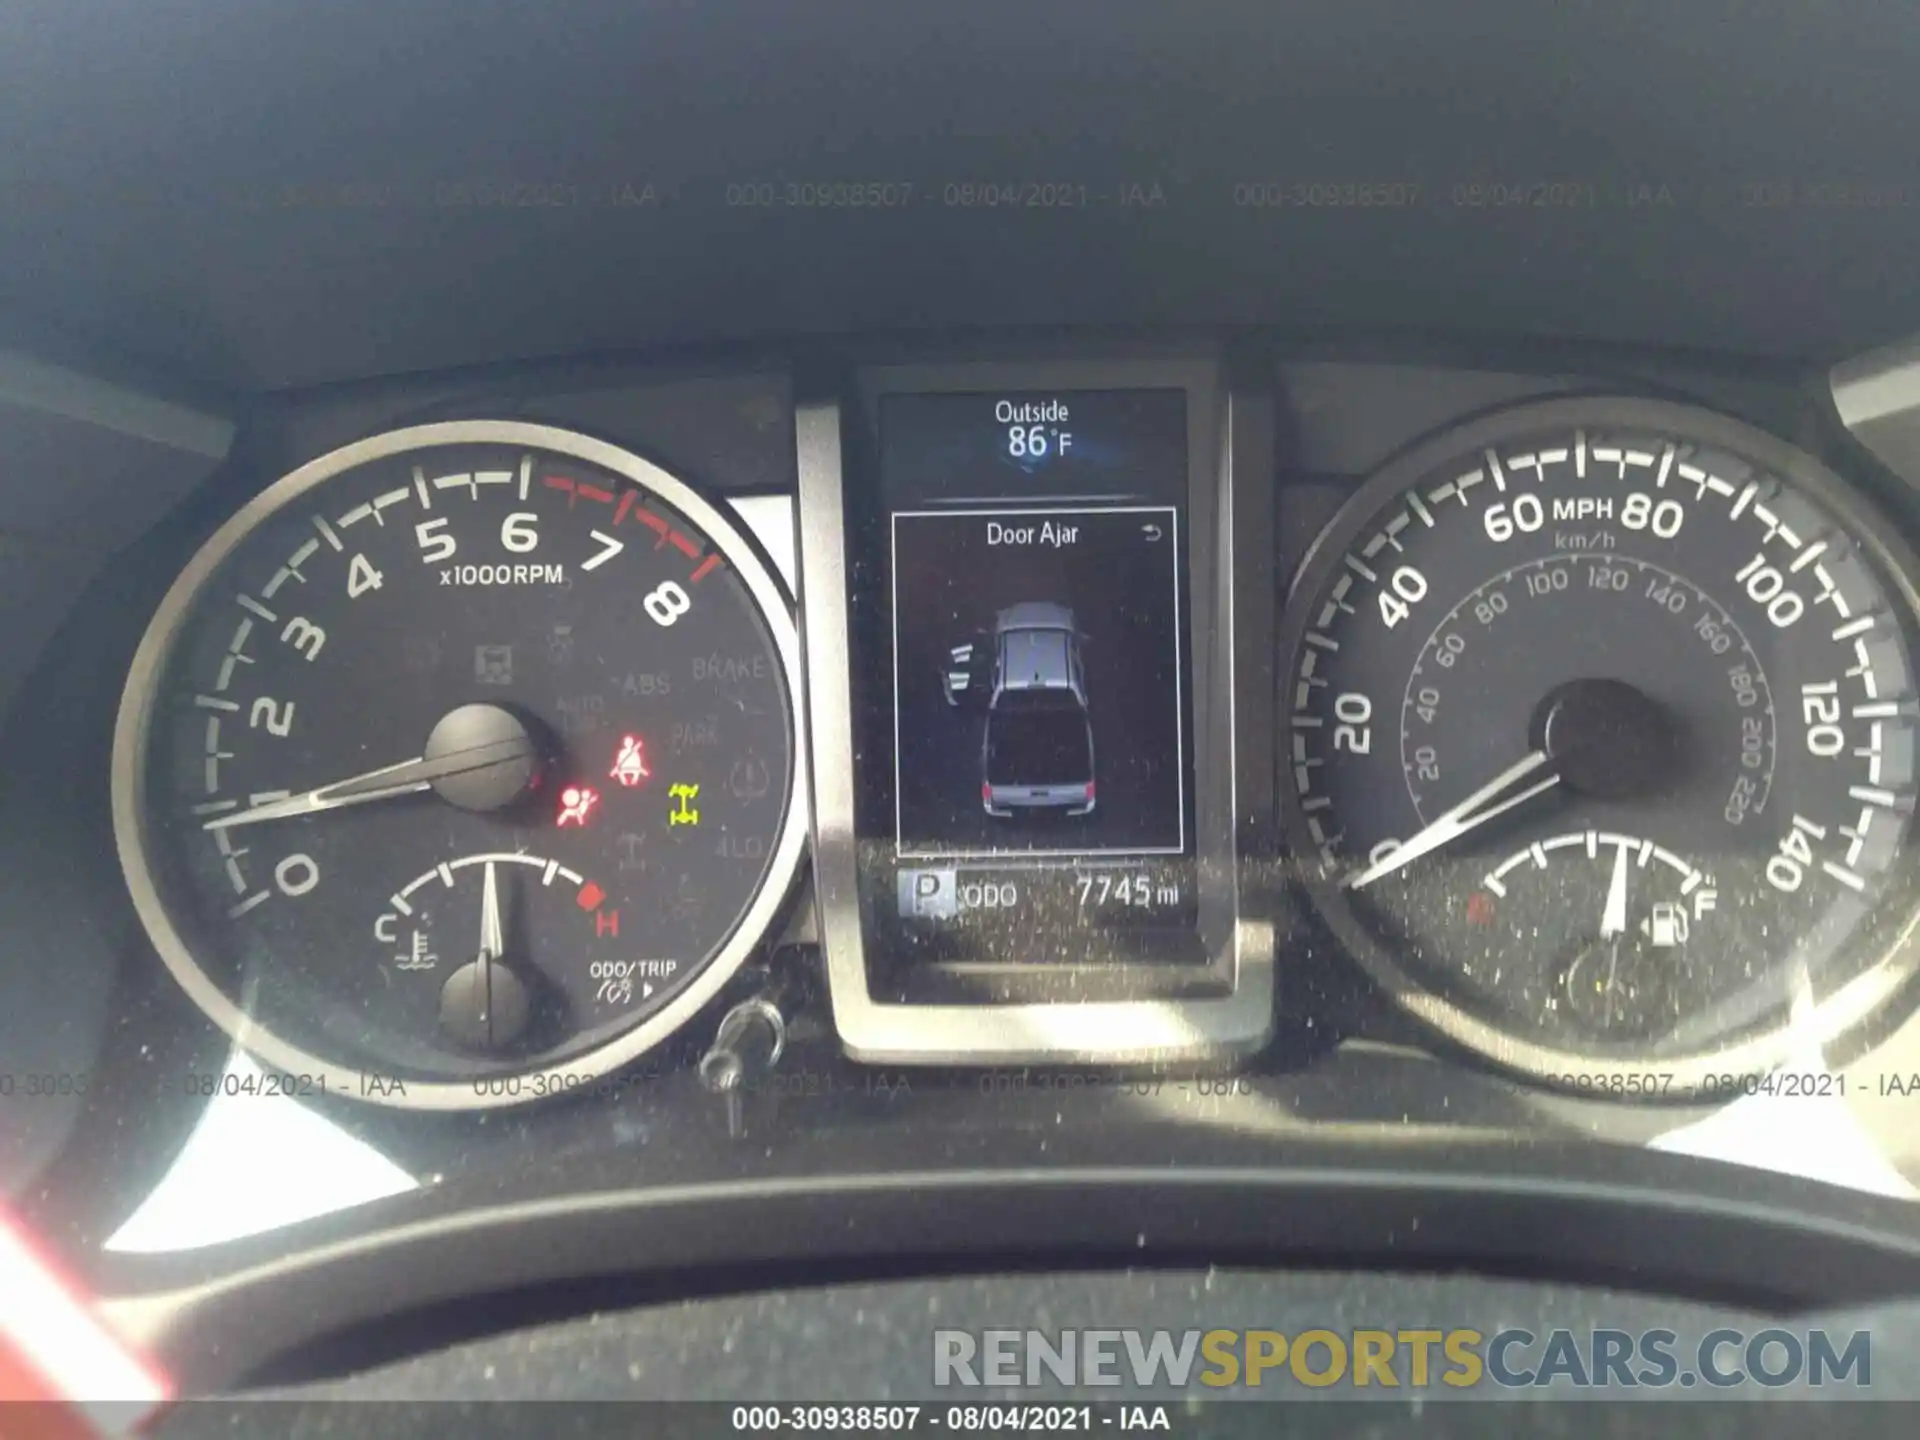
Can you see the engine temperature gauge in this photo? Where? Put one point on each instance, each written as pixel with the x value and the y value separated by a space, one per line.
pixel 470 936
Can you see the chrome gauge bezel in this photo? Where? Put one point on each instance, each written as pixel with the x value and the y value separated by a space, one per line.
pixel 1847 1011
pixel 140 697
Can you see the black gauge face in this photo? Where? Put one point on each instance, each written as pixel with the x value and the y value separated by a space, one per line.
pixel 1601 742
pixel 463 755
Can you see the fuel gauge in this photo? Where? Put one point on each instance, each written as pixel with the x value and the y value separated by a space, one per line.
pixel 1630 908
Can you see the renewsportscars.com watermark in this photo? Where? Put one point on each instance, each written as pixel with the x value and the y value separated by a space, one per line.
pixel 1387 1360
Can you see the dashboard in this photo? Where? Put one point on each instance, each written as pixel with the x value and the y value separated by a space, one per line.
pixel 1231 742
pixel 465 764
pixel 930 702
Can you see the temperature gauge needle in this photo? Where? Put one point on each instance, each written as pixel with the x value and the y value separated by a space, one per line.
pixel 492 943
pixel 484 1004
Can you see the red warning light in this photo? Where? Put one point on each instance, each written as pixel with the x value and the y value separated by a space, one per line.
pixel 1480 908
pixel 576 803
pixel 630 763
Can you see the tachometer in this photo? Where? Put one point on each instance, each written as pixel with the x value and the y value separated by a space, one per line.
pixel 1601 748
pixel 462 756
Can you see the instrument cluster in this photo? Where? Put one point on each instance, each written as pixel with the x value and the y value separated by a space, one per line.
pixel 1068 711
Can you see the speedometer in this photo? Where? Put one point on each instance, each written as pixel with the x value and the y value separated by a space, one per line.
pixel 462 765
pixel 1601 742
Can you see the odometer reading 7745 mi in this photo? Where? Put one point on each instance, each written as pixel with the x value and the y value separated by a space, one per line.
pixel 1600 740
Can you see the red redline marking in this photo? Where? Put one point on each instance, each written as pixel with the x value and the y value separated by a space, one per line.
pixel 626 504
pixel 595 493
pixel 700 573
pixel 590 896
pixel 688 548
pixel 560 482
pixel 657 523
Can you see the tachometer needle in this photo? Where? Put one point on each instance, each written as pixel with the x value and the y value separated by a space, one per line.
pixel 1489 801
pixel 409 777
pixel 1613 918
pixel 382 784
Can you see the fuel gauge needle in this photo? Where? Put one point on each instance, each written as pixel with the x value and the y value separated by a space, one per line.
pixel 1613 916
pixel 1613 924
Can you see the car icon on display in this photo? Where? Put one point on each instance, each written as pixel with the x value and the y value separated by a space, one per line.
pixel 1037 750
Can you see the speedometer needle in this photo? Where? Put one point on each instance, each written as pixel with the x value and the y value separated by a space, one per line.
pixel 1486 803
